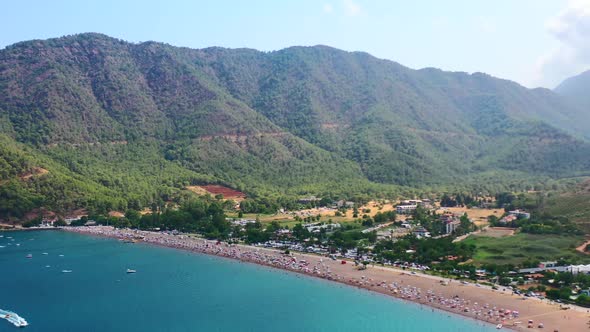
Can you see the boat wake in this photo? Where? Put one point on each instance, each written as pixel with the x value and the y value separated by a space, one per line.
pixel 13 318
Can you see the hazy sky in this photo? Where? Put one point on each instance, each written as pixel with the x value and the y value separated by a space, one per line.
pixel 533 42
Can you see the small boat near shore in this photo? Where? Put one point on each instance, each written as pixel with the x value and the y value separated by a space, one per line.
pixel 13 318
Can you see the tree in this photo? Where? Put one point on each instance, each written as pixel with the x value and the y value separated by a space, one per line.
pixel 300 233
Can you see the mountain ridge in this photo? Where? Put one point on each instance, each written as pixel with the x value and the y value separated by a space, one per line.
pixel 302 119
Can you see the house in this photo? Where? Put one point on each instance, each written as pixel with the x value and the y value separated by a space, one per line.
pixel 547 264
pixel 450 221
pixel 534 276
pixel 316 228
pixel 508 219
pixel 240 222
pixel 343 203
pixel 48 222
pixel 421 232
pixel 519 214
pixel 405 209
pixel 307 200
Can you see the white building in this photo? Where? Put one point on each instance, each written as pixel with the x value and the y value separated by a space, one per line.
pixel 520 214
pixel 405 209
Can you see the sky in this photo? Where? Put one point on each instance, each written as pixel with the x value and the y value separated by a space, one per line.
pixel 533 42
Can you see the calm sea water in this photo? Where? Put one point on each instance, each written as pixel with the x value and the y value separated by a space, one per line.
pixel 178 291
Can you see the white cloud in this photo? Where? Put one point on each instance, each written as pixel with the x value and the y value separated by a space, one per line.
pixel 351 8
pixel 571 28
pixel 486 24
pixel 440 22
pixel 328 8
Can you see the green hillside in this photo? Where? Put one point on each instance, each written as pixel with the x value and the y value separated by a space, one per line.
pixel 576 91
pixel 120 125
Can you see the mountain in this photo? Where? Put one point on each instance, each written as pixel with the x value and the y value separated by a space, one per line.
pixel 118 124
pixel 577 91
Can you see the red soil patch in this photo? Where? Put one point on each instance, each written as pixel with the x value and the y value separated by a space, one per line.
pixel 227 193
pixel 582 247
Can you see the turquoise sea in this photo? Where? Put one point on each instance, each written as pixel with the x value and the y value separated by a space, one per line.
pixel 175 290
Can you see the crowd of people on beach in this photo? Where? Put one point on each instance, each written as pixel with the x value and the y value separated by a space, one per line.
pixel 316 266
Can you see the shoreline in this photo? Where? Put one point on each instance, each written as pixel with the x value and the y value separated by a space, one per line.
pixel 481 304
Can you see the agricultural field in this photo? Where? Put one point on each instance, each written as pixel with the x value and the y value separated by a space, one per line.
pixel 478 216
pixel 522 247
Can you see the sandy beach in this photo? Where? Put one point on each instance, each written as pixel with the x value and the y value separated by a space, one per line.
pixel 477 302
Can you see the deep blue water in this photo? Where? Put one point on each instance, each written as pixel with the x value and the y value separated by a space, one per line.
pixel 180 291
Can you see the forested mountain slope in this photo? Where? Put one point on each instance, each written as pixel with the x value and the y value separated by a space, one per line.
pixel 577 91
pixel 133 121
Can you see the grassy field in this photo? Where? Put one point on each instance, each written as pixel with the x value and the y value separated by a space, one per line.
pixel 574 206
pixel 521 247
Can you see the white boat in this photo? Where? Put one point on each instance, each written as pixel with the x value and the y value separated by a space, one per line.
pixel 12 317
pixel 66 271
pixel 499 326
pixel 45 253
pixel 131 271
pixel 29 256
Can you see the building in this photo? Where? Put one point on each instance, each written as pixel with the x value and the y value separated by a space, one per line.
pixel 508 219
pixel 547 264
pixel 519 214
pixel 425 203
pixel 450 222
pixel 343 203
pixel 405 209
pixel 240 222
pixel 574 269
pixel 310 199
pixel 421 232
pixel 315 228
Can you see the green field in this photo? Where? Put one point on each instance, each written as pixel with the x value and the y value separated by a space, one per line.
pixel 521 247
pixel 574 206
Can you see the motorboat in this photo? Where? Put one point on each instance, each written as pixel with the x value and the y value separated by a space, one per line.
pixel 131 271
pixel 13 318
pixel 29 256
pixel 66 271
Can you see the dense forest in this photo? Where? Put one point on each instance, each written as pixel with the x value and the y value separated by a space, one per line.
pixel 89 121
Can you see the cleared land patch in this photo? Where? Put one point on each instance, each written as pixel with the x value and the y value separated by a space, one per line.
pixel 214 189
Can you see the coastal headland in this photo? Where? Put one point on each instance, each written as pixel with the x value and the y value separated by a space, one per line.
pixel 470 300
